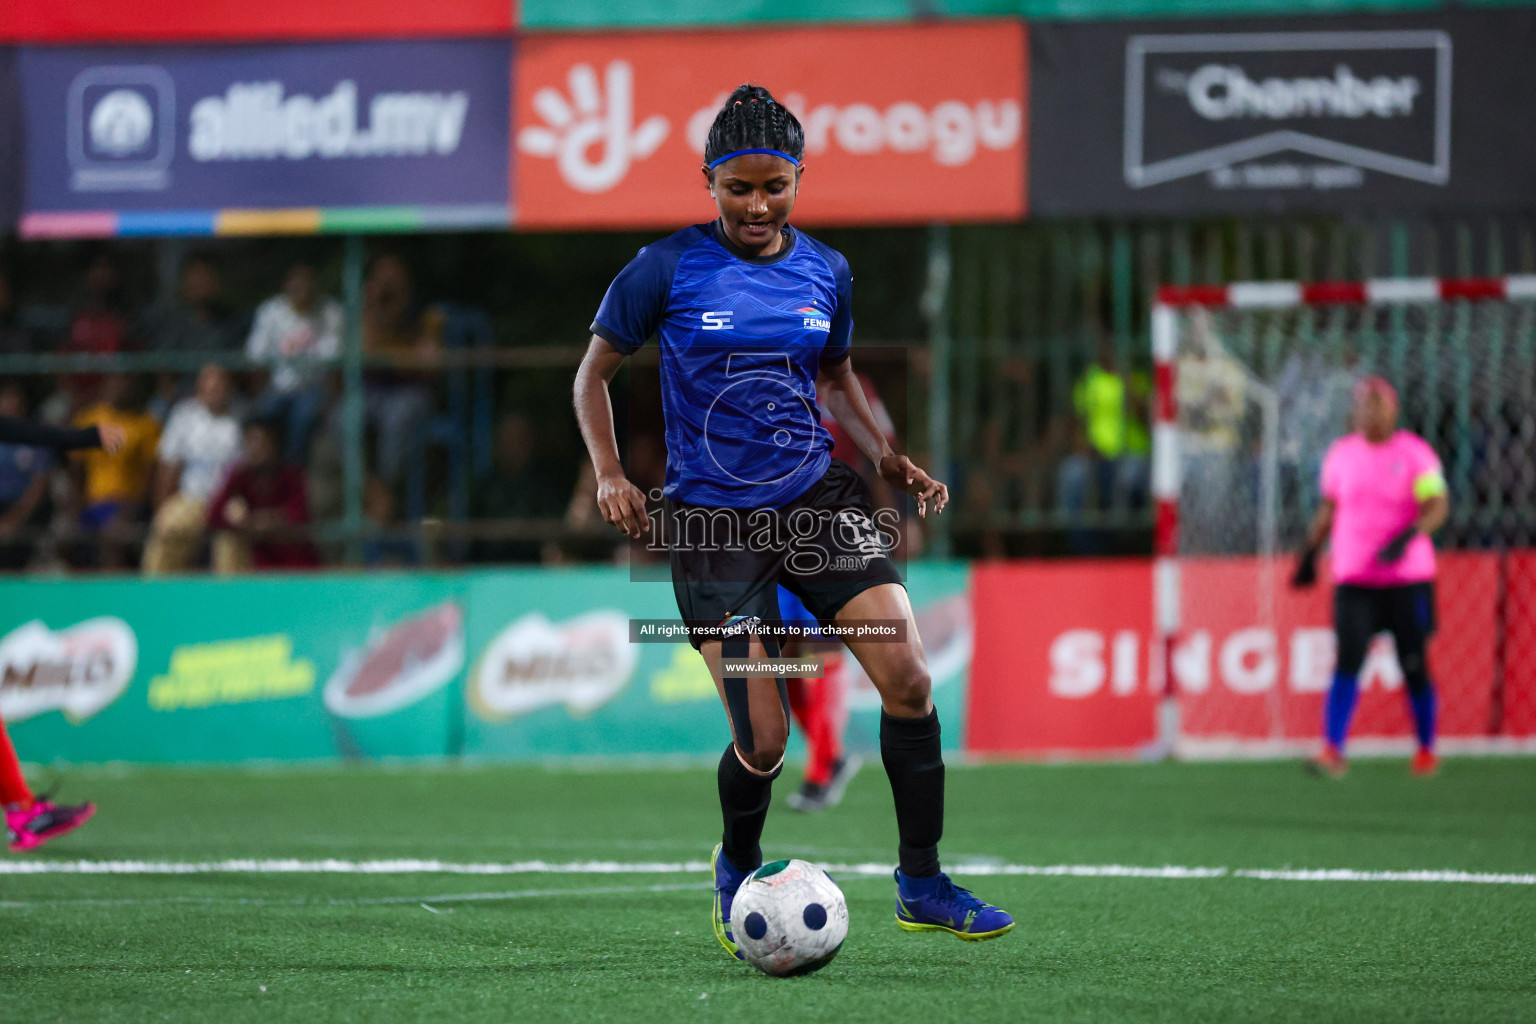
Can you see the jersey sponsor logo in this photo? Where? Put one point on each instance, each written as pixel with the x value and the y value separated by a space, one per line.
pixel 815 319
pixel 719 320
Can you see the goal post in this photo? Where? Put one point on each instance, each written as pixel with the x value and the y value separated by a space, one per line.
pixel 1252 382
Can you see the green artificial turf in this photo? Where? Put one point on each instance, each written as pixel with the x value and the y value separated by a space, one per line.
pixel 636 948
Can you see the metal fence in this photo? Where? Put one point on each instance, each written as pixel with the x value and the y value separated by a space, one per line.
pixel 1010 319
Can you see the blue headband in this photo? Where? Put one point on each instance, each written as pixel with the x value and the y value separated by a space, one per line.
pixel 717 161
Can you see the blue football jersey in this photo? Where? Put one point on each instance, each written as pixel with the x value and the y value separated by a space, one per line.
pixel 742 340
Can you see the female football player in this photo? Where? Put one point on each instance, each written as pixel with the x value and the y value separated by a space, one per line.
pixel 1383 496
pixel 30 820
pixel 750 312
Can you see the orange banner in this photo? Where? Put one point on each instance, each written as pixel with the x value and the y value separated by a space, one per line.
pixel 904 124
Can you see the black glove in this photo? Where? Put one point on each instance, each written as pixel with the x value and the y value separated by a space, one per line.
pixel 1397 546
pixel 1306 568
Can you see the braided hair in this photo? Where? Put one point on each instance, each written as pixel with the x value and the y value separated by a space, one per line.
pixel 753 119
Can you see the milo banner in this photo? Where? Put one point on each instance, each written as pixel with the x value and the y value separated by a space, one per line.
pixel 517 665
pixel 1272 115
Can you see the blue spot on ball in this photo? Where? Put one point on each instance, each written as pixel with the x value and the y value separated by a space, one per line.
pixel 815 917
pixel 756 926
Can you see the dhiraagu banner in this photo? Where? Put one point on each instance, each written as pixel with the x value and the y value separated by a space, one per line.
pixel 528 664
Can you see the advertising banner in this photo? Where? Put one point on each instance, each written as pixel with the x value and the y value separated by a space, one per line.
pixel 161 21
pixel 558 676
pixel 1518 708
pixel 1273 115
pixel 1242 680
pixel 1063 658
pixel 11 141
pixel 524 664
pixel 187 130
pixel 203 670
pixel 904 124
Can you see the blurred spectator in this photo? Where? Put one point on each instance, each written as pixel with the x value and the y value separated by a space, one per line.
pixel 296 331
pixel 198 322
pixel 201 442
pixel 398 399
pixel 1315 396
pixel 98 325
pixel 1111 445
pixel 1212 395
pixel 257 513
pixel 390 545
pixel 115 488
pixel 517 488
pixel 23 487
pixel 14 339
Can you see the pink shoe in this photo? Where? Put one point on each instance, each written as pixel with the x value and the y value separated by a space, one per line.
pixel 43 821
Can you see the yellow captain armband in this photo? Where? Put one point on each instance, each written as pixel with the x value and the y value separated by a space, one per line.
pixel 1429 485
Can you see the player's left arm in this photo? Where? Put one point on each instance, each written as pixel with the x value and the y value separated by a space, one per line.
pixel 1429 491
pixel 845 401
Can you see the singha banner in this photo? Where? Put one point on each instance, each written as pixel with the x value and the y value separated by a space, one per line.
pixel 1301 114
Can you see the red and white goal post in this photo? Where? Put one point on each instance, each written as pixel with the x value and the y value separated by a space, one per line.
pixel 1252 382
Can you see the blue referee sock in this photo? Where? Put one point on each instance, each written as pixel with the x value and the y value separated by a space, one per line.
pixel 1425 705
pixel 1340 708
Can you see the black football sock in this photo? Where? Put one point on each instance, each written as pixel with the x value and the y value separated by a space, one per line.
pixel 744 799
pixel 910 749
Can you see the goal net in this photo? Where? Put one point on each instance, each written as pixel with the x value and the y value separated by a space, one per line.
pixel 1254 382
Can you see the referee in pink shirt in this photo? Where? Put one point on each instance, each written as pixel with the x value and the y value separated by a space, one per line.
pixel 1383 495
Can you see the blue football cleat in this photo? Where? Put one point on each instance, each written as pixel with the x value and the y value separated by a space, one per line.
pixel 938 905
pixel 727 881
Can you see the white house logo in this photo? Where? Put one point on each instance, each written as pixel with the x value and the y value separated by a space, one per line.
pixel 79 670
pixel 592 135
pixel 121 122
pixel 1220 105
pixel 120 128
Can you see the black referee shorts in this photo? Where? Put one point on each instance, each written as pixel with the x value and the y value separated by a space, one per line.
pixel 1407 612
pixel 825 547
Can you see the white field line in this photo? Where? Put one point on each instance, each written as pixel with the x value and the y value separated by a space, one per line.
pixel 378 901
pixel 595 867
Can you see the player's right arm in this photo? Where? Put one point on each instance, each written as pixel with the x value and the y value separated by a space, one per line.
pixel 630 313
pixel 44 435
pixel 1322 524
pixel 620 501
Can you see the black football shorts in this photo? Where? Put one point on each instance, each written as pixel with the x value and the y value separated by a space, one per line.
pixel 826 547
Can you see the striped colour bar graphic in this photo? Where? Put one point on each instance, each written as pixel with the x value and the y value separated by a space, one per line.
pixel 294 221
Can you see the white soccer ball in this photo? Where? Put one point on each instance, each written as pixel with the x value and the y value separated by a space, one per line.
pixel 789 918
